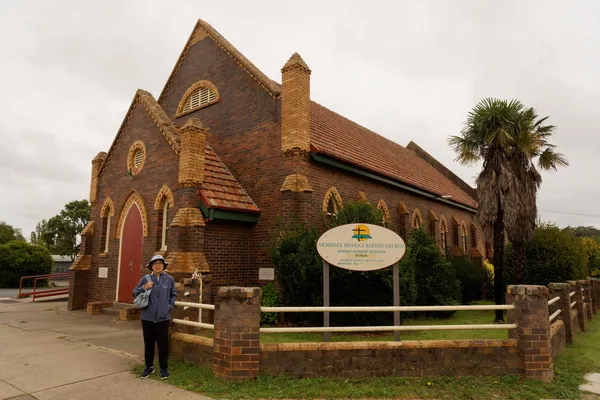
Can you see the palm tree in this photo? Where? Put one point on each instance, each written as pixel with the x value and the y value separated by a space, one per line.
pixel 507 138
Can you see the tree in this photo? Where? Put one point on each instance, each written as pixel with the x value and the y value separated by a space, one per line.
pixel 592 252
pixel 19 258
pixel 8 233
pixel 61 233
pixel 507 138
pixel 36 236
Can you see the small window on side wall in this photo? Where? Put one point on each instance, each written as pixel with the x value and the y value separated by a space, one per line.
pixel 199 95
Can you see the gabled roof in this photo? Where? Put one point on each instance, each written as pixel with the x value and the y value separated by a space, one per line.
pixel 344 140
pixel 158 115
pixel 338 137
pixel 220 189
pixel 270 86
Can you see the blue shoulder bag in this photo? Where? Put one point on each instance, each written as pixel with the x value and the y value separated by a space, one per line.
pixel 141 300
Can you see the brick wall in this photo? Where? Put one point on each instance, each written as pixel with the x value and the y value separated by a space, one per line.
pixel 322 178
pixel 191 348
pixel 160 168
pixel 409 358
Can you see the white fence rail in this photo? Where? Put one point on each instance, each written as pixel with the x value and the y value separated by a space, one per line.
pixel 554 300
pixel 388 328
pixel 195 305
pixel 553 316
pixel 192 323
pixel 387 308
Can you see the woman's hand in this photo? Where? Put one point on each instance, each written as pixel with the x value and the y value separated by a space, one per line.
pixel 148 285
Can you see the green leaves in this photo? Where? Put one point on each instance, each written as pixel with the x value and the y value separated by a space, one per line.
pixel 60 233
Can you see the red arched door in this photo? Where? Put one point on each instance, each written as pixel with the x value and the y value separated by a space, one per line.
pixel 132 239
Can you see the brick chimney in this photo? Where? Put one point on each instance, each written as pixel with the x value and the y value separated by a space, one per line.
pixel 295 105
pixel 191 156
pixel 96 164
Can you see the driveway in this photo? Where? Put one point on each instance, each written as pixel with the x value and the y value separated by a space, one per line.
pixel 49 353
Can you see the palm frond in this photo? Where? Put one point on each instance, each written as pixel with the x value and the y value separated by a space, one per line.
pixel 550 160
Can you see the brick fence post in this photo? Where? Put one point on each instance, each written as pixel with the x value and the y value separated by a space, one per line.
pixel 593 295
pixel 236 351
pixel 533 330
pixel 564 304
pixel 596 287
pixel 580 306
pixel 587 295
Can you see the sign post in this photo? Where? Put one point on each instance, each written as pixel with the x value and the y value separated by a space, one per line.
pixel 361 247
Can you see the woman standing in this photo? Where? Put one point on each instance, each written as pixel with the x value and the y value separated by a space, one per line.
pixel 156 316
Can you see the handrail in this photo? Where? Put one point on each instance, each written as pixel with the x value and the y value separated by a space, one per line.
pixel 554 300
pixel 571 294
pixel 386 308
pixel 556 314
pixel 573 304
pixel 389 328
pixel 195 305
pixel 45 293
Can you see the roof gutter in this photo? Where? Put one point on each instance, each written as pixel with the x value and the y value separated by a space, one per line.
pixel 214 213
pixel 372 175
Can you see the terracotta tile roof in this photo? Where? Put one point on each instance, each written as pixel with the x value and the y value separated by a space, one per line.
pixel 220 188
pixel 340 138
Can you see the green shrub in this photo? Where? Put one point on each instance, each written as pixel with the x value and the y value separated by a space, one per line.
pixel 270 298
pixel 552 255
pixel 435 278
pixel 299 271
pixel 472 278
pixel 19 258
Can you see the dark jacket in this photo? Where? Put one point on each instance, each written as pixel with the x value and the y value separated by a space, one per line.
pixel 161 299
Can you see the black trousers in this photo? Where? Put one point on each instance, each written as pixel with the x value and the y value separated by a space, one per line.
pixel 156 332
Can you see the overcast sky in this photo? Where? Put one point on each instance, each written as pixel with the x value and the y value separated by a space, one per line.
pixel 409 70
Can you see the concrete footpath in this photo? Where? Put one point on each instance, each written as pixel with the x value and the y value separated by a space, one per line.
pixel 48 353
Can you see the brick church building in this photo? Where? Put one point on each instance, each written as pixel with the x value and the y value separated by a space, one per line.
pixel 203 174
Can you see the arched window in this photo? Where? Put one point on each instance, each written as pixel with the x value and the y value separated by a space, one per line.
pixel 464 237
pixel 443 233
pixel 332 202
pixel 106 212
pixel 199 95
pixel 164 201
pixel 417 219
pixel 386 213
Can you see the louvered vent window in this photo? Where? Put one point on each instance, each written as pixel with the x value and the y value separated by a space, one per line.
pixel 138 158
pixel 199 98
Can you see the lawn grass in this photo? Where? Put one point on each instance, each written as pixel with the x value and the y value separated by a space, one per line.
pixel 575 360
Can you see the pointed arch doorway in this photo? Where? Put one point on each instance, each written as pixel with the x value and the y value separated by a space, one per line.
pixel 130 254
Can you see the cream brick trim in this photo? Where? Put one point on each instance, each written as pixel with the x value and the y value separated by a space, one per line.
pixel 193 151
pixel 134 197
pixel 156 113
pixel 271 87
pixel 432 216
pixel 402 208
pixel 361 196
pixel 417 219
pixel 332 193
pixel 82 263
pixel 88 230
pixel 164 194
pixel 187 262
pixel 108 208
pixel 196 86
pixel 296 183
pixel 381 205
pixel 443 224
pixel 137 146
pixel 97 163
pixel 188 217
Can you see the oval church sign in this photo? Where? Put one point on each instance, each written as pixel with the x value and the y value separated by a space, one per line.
pixel 361 247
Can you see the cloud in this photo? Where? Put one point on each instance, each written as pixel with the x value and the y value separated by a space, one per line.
pixel 407 70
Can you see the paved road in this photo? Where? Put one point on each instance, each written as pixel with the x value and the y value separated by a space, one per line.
pixel 49 353
pixel 8 293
